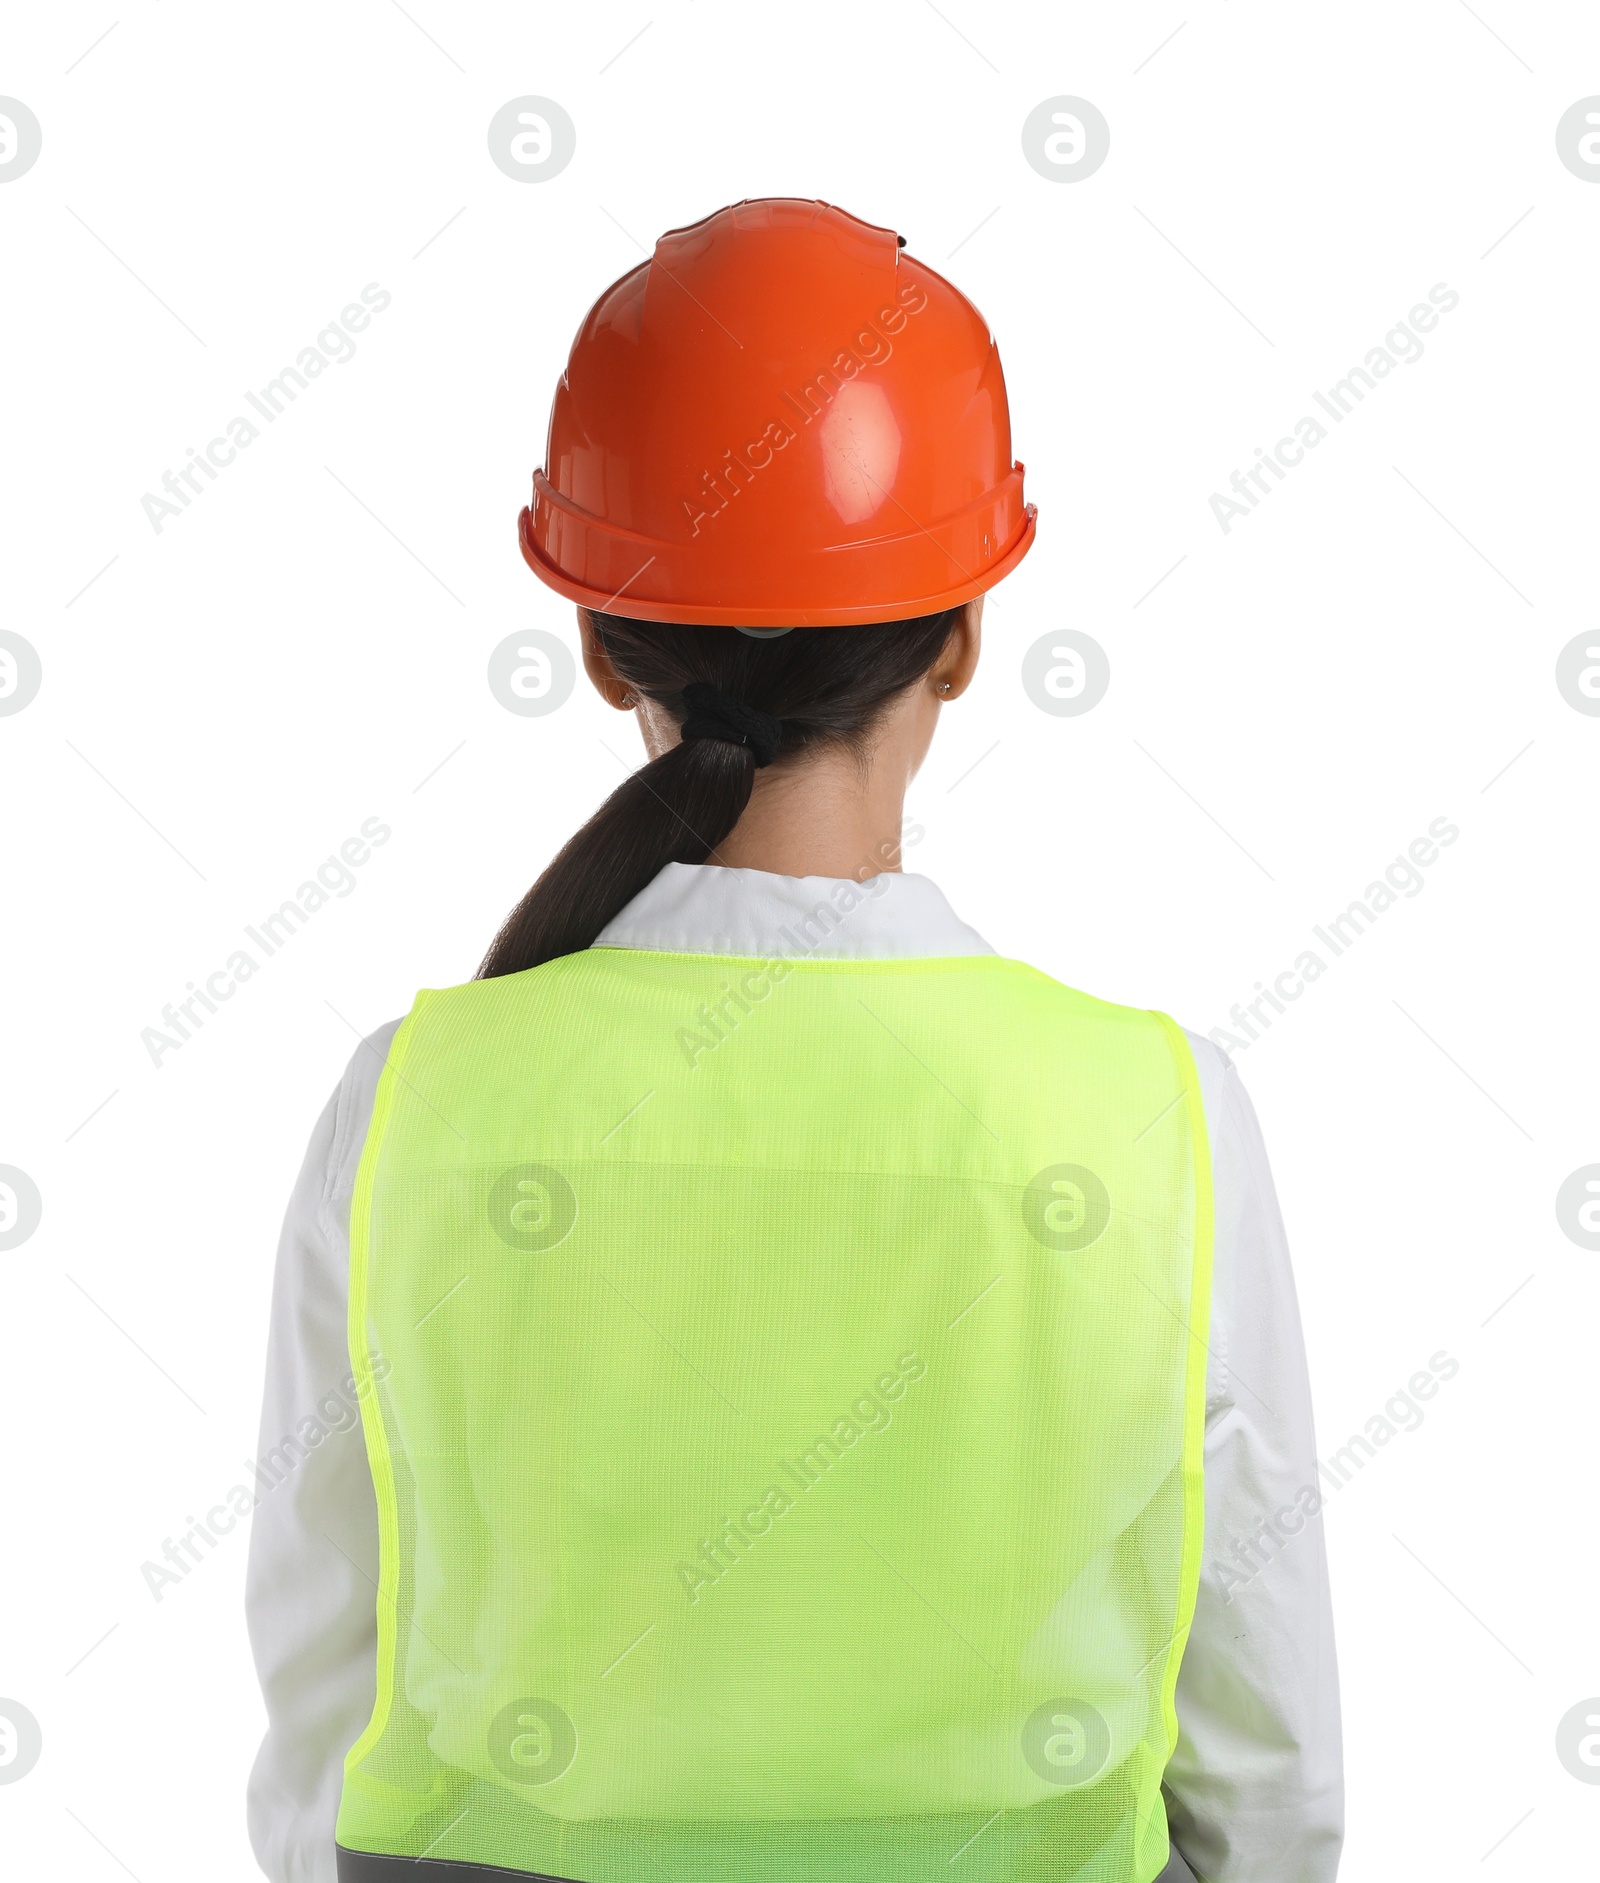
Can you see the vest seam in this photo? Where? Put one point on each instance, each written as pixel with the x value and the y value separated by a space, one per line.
pixel 1195 1382
pixel 795 962
pixel 377 1444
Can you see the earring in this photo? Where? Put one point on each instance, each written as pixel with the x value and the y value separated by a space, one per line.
pixel 628 700
pixel 944 687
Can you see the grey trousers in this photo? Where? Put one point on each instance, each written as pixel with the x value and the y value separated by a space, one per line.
pixel 1177 1871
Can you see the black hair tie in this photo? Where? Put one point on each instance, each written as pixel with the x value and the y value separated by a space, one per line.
pixel 714 714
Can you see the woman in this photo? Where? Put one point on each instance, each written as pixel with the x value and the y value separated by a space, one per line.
pixel 823 1387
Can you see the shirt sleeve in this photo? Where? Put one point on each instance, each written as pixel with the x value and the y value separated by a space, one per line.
pixel 311 1589
pixel 1255 1787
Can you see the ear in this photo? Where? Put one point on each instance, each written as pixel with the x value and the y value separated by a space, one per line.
pixel 607 682
pixel 951 674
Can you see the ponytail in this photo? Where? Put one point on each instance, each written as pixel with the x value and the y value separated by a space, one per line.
pixel 786 695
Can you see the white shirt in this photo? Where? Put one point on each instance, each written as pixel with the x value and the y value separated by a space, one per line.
pixel 1254 1789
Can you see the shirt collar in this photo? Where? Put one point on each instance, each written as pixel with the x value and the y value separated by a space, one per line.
pixel 704 909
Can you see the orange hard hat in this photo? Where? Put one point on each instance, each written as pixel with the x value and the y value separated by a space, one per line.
pixel 779 420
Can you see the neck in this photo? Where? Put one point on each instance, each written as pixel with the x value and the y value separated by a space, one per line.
pixel 826 817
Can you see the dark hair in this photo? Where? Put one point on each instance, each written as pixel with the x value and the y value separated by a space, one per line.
pixel 826 686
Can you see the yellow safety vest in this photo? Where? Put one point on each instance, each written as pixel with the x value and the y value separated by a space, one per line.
pixel 784 1385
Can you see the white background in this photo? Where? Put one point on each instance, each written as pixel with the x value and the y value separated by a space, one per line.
pixel 1369 650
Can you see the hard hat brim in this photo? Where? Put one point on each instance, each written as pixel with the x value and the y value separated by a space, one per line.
pixel 640 607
